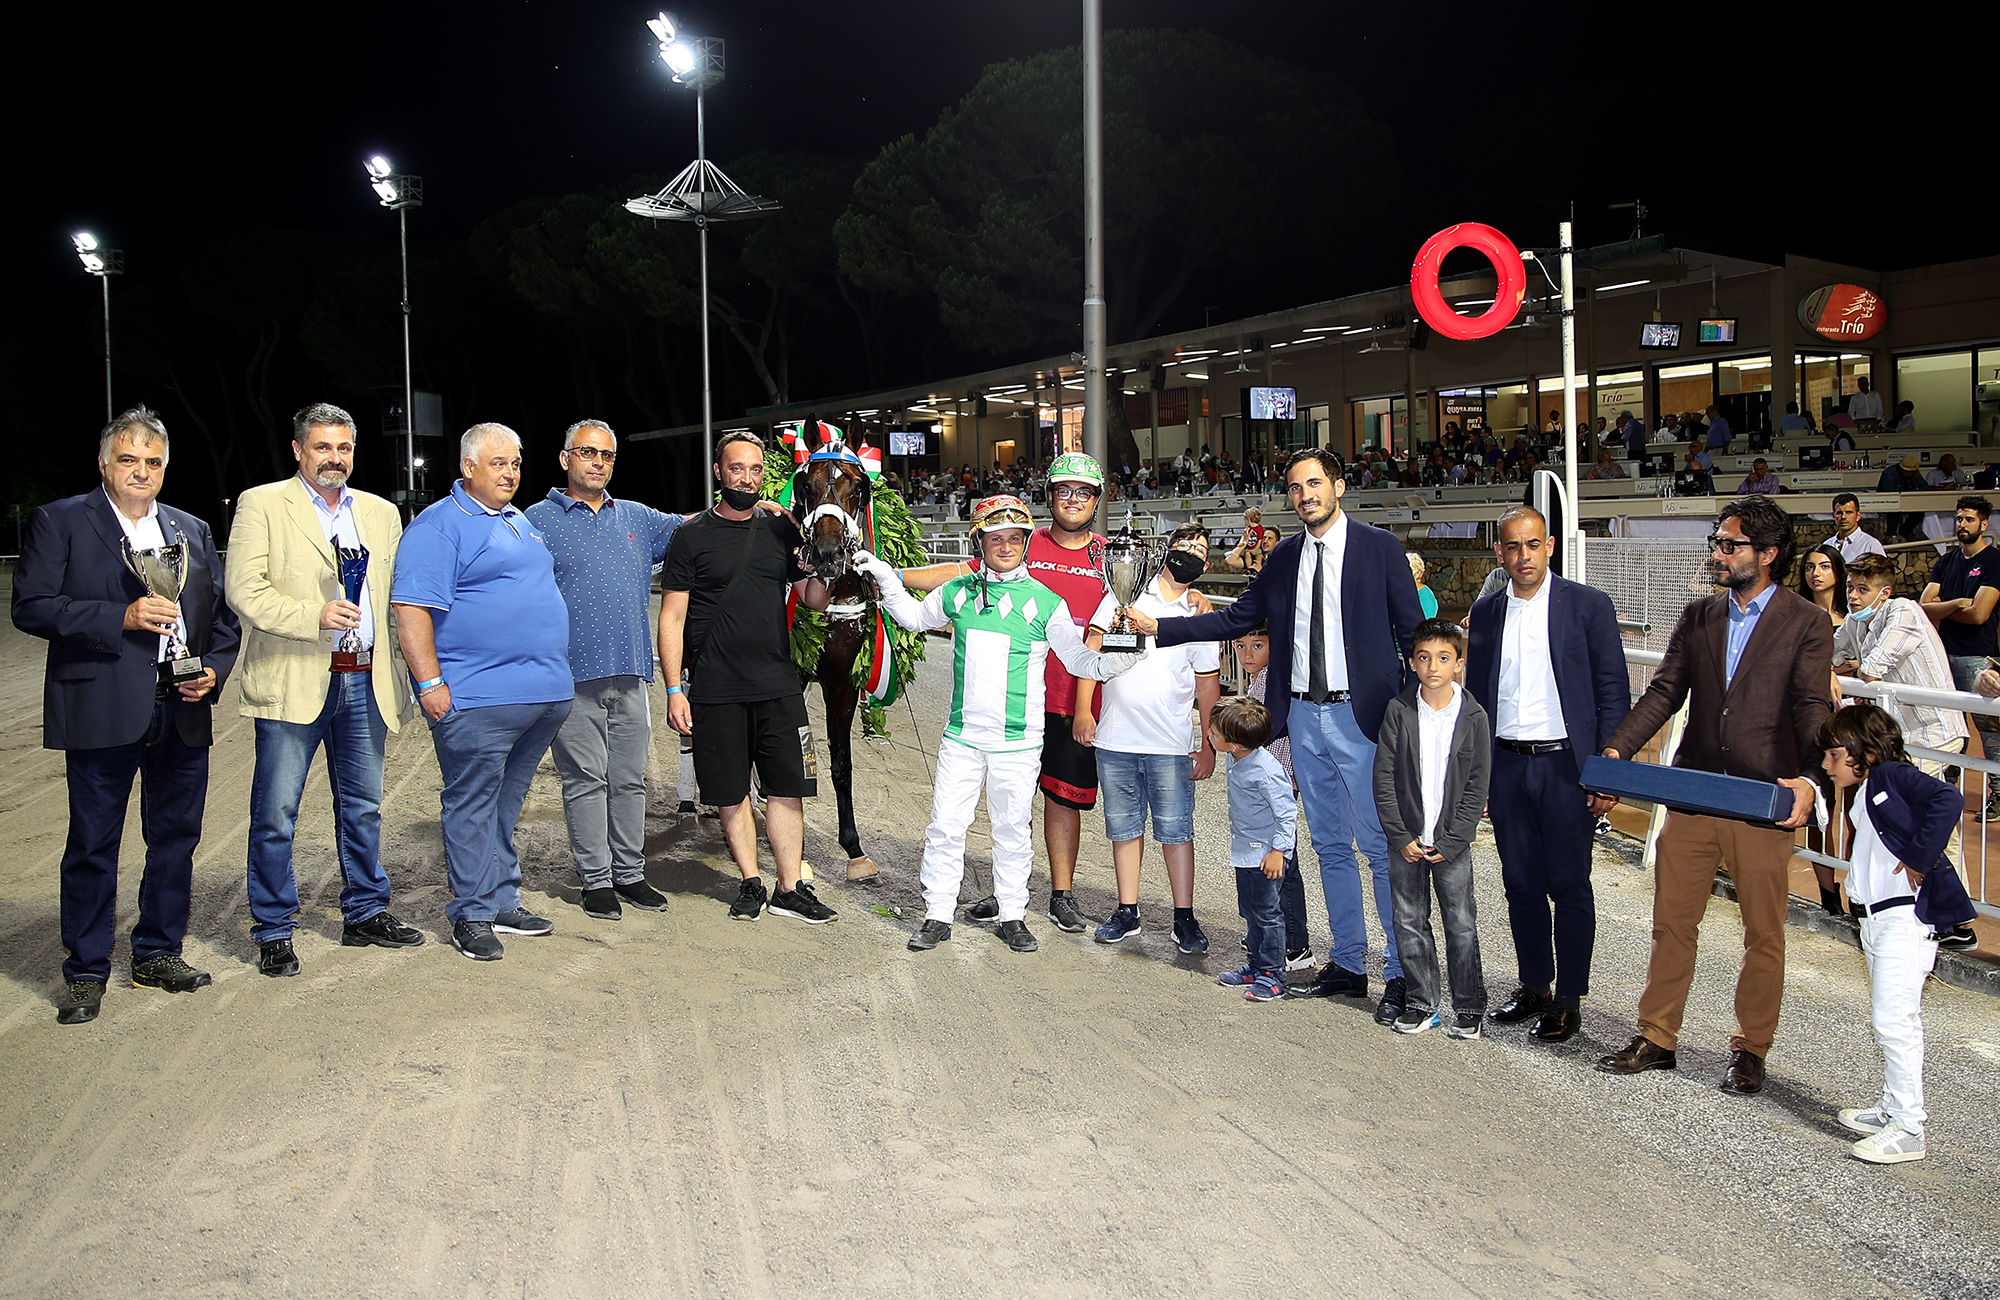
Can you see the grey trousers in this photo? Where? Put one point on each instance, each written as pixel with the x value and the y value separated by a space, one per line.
pixel 601 752
pixel 1410 886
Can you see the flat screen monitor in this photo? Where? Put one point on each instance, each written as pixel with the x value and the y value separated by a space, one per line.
pixel 1274 403
pixel 906 442
pixel 1815 458
pixel 1658 463
pixel 1663 335
pixel 1687 483
pixel 1716 332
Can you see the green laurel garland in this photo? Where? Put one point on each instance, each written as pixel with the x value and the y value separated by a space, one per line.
pixel 899 542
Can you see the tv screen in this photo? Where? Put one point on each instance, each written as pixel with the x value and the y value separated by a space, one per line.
pixel 906 442
pixel 1658 463
pixel 1665 335
pixel 1711 333
pixel 1274 403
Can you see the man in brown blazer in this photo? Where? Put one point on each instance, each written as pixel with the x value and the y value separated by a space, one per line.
pixel 317 669
pixel 1754 661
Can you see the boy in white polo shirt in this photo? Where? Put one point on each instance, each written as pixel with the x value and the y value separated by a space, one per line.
pixel 1149 753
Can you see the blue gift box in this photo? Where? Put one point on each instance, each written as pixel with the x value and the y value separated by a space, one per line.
pixel 1708 793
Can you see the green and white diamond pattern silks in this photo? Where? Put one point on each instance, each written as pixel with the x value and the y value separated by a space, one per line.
pixel 1003 644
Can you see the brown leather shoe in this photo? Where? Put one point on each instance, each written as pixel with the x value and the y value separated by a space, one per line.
pixel 1746 1073
pixel 1559 1023
pixel 1641 1055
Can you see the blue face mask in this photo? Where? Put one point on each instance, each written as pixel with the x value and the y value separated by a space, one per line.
pixel 1863 615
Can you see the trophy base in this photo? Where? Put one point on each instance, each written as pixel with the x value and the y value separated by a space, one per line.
pixel 184 670
pixel 353 661
pixel 1120 643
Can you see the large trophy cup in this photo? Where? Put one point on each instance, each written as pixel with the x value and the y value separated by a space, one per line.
pixel 1129 563
pixel 164 571
pixel 348 652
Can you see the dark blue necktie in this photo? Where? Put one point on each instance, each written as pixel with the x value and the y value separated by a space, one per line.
pixel 1316 687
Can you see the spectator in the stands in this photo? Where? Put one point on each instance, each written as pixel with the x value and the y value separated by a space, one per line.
pixel 1866 404
pixel 1426 598
pixel 1947 476
pixel 1718 431
pixel 1839 433
pixel 1848 538
pixel 1902 476
pixel 1669 430
pixel 1760 480
pixel 1698 453
pixel 1701 484
pixel 1692 428
pixel 1791 421
pixel 1906 417
pixel 1605 434
pixel 1605 468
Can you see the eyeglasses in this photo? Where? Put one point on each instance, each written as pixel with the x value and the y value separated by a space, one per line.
pixel 1073 492
pixel 1729 545
pixel 593 453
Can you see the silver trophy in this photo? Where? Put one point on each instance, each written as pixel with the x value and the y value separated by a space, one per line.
pixel 164 571
pixel 1128 565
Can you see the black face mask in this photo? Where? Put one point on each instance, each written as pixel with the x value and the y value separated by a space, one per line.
pixel 1185 566
pixel 738 499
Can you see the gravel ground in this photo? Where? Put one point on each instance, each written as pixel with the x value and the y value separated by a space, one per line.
pixel 678 1105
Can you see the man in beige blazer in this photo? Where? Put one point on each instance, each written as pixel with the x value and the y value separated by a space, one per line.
pixel 317 668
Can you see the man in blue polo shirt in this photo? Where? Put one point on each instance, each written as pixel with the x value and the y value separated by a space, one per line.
pixel 486 635
pixel 605 550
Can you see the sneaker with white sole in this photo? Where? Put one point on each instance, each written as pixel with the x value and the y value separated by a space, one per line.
pixel 1416 1022
pixel 1298 959
pixel 1892 1146
pixel 1465 1024
pixel 1066 915
pixel 1869 1121
pixel 522 921
pixel 801 904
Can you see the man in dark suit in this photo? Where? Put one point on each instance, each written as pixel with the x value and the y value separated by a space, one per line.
pixel 1546 664
pixel 110 701
pixel 1754 663
pixel 1341 605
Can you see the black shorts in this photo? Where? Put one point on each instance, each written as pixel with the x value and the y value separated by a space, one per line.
pixel 774 734
pixel 1069 770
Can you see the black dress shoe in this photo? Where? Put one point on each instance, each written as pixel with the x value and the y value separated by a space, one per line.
pixel 930 934
pixel 1526 1004
pixel 1559 1023
pixel 1331 980
pixel 382 930
pixel 275 957
pixel 1640 1055
pixel 986 909
pixel 1395 1000
pixel 1018 937
pixel 80 1003
pixel 1746 1073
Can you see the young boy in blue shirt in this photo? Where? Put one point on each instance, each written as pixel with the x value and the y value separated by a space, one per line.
pixel 1263 826
pixel 1432 761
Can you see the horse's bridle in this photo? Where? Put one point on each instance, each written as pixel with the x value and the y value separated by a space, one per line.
pixel 851 541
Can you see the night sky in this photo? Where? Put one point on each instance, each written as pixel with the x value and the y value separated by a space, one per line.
pixel 158 125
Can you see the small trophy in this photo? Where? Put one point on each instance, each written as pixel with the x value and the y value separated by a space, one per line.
pixel 1129 563
pixel 164 571
pixel 348 653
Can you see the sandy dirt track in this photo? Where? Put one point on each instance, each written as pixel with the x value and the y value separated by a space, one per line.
pixel 681 1106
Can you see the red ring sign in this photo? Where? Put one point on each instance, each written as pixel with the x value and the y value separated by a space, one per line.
pixel 1512 281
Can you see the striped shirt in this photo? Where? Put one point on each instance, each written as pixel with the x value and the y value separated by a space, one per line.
pixel 1899 645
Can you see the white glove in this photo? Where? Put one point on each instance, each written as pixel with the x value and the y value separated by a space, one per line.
pixel 875 567
pixel 1109 666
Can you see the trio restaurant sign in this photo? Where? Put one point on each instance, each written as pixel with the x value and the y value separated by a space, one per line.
pixel 1844 313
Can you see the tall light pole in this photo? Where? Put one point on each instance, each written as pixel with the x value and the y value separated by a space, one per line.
pixel 400 193
pixel 701 193
pixel 1094 394
pixel 102 263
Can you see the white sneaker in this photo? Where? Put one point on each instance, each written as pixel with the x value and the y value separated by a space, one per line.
pixel 1870 1121
pixel 1892 1146
pixel 1301 959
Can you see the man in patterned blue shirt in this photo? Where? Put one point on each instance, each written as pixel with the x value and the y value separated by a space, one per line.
pixel 604 551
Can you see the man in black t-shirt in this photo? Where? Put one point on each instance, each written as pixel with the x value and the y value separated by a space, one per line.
pixel 1963 599
pixel 722 616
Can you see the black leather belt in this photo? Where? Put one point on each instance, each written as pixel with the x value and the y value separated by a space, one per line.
pixel 1870 909
pixel 1532 746
pixel 1332 697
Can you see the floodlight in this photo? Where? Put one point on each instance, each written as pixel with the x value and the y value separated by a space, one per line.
pixel 84 241
pixel 92 262
pixel 680 56
pixel 663 28
pixel 385 190
pixel 379 168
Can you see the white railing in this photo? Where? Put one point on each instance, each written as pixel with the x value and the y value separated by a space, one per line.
pixel 1889 694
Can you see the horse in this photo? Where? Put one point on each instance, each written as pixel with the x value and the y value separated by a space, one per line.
pixel 830 496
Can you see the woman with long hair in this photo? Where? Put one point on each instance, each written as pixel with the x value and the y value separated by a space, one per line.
pixel 1823 581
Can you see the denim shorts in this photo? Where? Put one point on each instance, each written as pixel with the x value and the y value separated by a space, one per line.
pixel 1133 783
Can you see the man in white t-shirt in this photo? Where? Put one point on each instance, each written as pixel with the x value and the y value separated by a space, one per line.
pixel 1149 751
pixel 1865 404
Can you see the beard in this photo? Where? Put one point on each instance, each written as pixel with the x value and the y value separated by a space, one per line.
pixel 330 477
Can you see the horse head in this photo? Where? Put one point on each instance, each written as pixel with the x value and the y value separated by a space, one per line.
pixel 832 495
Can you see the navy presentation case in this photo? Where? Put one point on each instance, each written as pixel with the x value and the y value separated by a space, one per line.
pixel 1708 793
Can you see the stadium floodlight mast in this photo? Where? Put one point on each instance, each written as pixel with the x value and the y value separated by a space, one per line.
pixel 102 263
pixel 400 193
pixel 1095 441
pixel 701 193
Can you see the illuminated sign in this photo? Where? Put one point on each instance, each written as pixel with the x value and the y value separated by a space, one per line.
pixel 1846 313
pixel 1510 287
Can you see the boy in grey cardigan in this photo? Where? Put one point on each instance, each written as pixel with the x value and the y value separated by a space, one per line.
pixel 1431 765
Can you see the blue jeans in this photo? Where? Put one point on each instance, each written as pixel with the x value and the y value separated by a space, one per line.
pixel 1335 764
pixel 488 756
pixel 351 728
pixel 1257 903
pixel 1133 783
pixel 173 791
